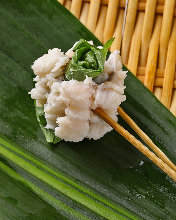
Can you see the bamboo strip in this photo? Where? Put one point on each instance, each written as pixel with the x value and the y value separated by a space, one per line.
pixel 84 13
pixel 159 72
pixel 161 2
pixel 118 31
pixel 159 8
pixel 152 56
pixel 76 7
pixel 136 143
pixel 67 4
pixel 157 91
pixel 101 23
pixel 170 69
pixel 173 105
pixel 93 14
pixel 145 138
pixel 158 82
pixel 106 2
pixel 165 31
pixel 147 30
pixel 129 28
pixel 164 38
pixel 135 44
pixel 110 19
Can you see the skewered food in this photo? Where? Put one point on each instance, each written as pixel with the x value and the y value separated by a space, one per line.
pixel 69 86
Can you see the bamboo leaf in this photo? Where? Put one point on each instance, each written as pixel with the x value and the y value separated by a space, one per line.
pixel 100 179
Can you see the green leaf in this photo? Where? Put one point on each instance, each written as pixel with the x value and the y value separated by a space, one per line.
pixel 82 43
pixel 105 48
pixel 49 134
pixel 104 179
pixel 87 60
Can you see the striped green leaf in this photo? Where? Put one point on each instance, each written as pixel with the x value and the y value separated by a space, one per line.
pixel 104 179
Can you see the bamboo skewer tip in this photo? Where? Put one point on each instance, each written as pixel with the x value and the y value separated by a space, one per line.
pixel 162 161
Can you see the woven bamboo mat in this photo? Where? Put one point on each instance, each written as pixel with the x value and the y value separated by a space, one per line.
pixel 148 47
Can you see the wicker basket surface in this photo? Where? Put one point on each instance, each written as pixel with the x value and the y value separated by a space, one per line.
pixel 148 47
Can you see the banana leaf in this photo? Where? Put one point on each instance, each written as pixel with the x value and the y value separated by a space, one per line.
pixel 104 179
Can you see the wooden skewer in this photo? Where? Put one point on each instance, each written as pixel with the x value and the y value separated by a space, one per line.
pixel 136 143
pixel 145 138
